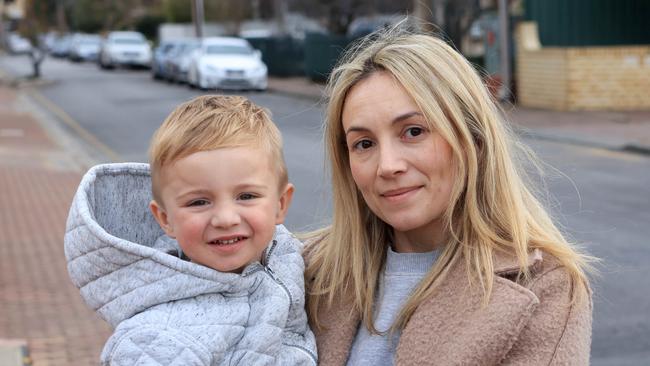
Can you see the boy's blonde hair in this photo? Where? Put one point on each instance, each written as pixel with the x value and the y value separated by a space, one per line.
pixel 212 122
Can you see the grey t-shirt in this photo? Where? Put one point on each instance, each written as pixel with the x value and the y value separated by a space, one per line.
pixel 402 273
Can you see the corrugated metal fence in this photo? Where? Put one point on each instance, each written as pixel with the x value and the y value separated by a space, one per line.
pixel 591 22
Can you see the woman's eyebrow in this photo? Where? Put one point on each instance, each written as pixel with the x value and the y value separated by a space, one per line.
pixel 407 115
pixel 397 119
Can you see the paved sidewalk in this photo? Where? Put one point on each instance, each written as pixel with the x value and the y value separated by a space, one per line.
pixel 38 303
pixel 621 131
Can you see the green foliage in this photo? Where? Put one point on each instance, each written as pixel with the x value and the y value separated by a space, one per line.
pixel 177 11
pixel 148 25
pixel 38 18
pixel 88 16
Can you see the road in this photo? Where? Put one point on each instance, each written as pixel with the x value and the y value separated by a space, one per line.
pixel 601 198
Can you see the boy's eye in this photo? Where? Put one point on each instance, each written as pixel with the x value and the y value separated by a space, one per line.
pixel 362 145
pixel 199 202
pixel 247 196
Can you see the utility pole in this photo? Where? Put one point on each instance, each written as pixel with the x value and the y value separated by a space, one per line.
pixel 198 17
pixel 61 21
pixel 504 47
pixel 280 10
pixel 422 14
pixel 2 24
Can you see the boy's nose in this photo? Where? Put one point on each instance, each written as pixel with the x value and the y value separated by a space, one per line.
pixel 224 218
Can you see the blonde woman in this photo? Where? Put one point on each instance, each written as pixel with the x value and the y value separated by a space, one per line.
pixel 438 252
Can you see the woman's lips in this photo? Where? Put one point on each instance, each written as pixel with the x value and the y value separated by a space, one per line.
pixel 399 194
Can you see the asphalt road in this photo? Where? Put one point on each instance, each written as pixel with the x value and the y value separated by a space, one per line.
pixel 601 198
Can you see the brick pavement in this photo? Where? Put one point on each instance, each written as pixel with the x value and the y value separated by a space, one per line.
pixel 38 303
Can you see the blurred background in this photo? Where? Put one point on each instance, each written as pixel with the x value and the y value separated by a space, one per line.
pixel 85 82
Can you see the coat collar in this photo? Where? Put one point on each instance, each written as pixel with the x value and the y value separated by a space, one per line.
pixel 452 321
pixel 505 263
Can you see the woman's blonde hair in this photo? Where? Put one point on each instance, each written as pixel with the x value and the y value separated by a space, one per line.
pixel 490 209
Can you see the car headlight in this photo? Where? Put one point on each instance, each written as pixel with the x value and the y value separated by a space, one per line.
pixel 261 69
pixel 211 68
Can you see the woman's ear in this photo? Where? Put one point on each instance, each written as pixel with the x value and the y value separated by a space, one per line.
pixel 161 217
pixel 283 204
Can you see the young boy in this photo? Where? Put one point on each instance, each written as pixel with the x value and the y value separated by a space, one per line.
pixel 221 284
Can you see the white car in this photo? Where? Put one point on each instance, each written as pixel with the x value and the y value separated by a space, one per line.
pixel 227 63
pixel 18 44
pixel 84 47
pixel 125 49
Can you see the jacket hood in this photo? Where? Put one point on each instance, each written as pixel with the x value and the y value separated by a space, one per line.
pixel 115 253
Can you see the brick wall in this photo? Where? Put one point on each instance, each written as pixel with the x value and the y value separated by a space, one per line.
pixel 581 78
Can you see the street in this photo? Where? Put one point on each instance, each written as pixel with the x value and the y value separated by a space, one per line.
pixel 599 197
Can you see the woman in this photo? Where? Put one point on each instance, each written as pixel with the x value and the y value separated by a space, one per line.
pixel 438 252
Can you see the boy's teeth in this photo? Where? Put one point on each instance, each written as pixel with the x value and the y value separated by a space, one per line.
pixel 226 242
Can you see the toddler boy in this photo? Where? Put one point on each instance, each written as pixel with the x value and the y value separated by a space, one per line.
pixel 222 283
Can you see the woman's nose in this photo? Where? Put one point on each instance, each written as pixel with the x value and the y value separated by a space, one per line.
pixel 391 160
pixel 225 217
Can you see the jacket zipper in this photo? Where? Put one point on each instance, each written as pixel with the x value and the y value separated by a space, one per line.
pixel 275 278
pixel 267 269
pixel 304 349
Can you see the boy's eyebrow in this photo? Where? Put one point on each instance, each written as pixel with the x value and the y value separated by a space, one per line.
pixel 192 192
pixel 242 186
pixel 252 186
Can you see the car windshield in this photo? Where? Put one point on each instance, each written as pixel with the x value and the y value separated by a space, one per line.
pixel 89 42
pixel 228 50
pixel 128 41
pixel 189 47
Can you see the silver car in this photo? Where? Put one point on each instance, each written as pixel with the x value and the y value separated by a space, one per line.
pixel 125 49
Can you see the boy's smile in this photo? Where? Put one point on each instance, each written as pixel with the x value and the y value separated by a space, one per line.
pixel 222 205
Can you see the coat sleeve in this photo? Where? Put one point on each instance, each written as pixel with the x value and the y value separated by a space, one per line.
pixel 559 331
pixel 155 346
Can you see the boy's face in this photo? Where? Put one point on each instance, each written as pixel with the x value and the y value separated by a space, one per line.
pixel 222 205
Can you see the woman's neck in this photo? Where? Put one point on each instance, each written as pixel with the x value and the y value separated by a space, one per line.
pixel 424 239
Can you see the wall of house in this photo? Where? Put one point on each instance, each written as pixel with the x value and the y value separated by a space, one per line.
pixel 580 78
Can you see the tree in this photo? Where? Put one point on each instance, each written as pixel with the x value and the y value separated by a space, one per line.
pixel 455 17
pixel 39 15
pixel 177 11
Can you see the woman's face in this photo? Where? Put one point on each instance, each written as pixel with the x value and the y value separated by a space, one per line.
pixel 402 168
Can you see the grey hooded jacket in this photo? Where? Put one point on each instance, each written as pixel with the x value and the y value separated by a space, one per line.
pixel 168 311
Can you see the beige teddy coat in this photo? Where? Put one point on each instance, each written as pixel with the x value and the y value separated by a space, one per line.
pixel 530 324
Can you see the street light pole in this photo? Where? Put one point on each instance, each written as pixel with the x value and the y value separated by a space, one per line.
pixel 504 47
pixel 197 12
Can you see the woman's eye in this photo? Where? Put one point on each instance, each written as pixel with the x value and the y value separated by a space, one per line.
pixel 362 145
pixel 200 202
pixel 247 196
pixel 414 132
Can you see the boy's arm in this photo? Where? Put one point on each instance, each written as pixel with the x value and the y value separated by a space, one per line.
pixel 153 345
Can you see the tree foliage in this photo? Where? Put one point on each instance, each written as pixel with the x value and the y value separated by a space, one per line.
pixel 177 11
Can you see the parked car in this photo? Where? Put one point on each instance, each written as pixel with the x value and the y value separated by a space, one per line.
pixel 160 56
pixel 84 47
pixel 61 46
pixel 125 48
pixel 178 62
pixel 18 44
pixel 227 63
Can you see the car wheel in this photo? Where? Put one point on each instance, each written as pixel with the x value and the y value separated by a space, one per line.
pixel 200 82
